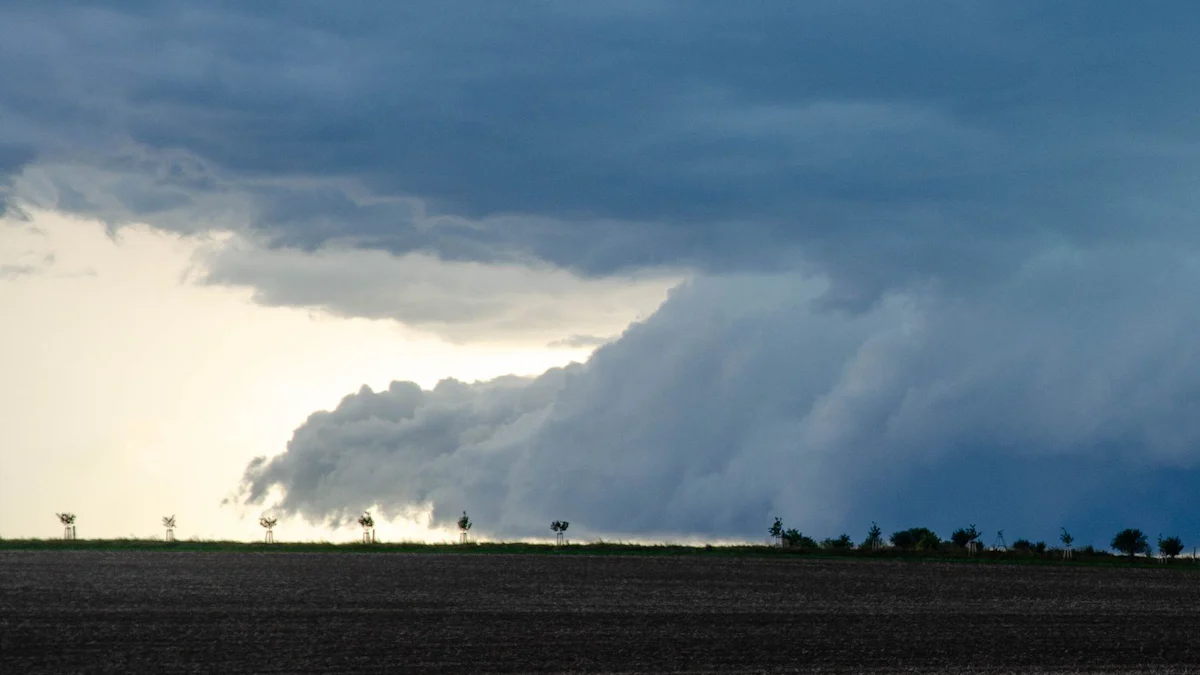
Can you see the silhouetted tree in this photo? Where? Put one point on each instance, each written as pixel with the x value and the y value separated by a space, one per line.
pixel 559 527
pixel 368 526
pixel 169 523
pixel 1170 547
pixel 776 531
pixel 874 540
pixel 464 524
pixel 1130 542
pixel 68 523
pixel 268 524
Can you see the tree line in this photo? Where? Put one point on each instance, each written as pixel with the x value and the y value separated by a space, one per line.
pixel 1130 542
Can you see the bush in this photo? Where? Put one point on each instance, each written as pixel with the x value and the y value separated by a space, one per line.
pixel 792 538
pixel 916 539
pixel 842 543
pixel 1131 542
pixel 1026 546
pixel 1170 547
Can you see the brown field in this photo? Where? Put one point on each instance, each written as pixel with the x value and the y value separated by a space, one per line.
pixel 163 612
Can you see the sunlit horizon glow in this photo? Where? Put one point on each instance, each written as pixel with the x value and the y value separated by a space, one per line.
pixel 132 393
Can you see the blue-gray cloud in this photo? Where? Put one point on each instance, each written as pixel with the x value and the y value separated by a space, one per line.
pixel 884 143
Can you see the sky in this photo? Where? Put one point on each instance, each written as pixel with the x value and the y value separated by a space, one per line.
pixel 666 270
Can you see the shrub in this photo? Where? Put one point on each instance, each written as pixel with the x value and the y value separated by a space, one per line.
pixel 915 538
pixel 1026 546
pixel 792 538
pixel 1131 542
pixel 842 543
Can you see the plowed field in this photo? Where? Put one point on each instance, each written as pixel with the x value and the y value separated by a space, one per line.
pixel 171 612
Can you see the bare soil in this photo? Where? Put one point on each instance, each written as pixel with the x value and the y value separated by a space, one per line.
pixel 83 611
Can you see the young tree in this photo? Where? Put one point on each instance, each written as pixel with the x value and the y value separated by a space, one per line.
pixel 169 523
pixel 776 531
pixel 1130 542
pixel 1067 540
pixel 68 522
pixel 1170 547
pixel 368 526
pixel 560 531
pixel 268 524
pixel 464 524
pixel 874 540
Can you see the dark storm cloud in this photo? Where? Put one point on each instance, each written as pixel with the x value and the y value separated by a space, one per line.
pixel 1032 409
pixel 886 142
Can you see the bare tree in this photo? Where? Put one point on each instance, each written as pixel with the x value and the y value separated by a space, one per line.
pixel 560 531
pixel 368 526
pixel 68 522
pixel 464 524
pixel 268 524
pixel 169 523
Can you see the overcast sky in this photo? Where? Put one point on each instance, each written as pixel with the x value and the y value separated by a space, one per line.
pixel 930 263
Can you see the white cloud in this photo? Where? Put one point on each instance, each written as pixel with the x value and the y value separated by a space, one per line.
pixel 459 301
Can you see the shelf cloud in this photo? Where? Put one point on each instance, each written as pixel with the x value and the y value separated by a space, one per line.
pixel 742 399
